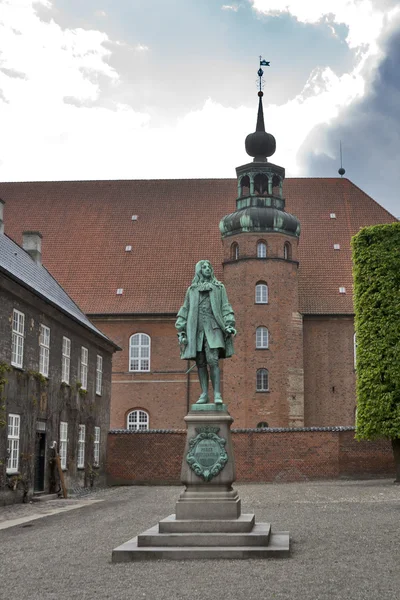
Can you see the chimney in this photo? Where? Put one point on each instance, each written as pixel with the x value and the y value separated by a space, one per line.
pixel 2 203
pixel 32 244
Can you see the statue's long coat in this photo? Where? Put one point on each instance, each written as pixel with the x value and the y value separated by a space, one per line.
pixel 188 316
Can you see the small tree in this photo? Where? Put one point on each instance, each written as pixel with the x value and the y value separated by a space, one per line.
pixel 376 268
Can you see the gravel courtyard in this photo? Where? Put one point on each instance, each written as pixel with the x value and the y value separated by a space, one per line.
pixel 345 544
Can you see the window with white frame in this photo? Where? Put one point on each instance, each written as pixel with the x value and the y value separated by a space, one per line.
pixel 137 419
pixel 44 350
pixel 66 359
pixel 99 374
pixel 139 352
pixel 262 337
pixel 261 250
pixel 235 251
pixel 18 331
pixel 96 447
pixel 14 422
pixel 63 444
pixel 261 293
pixel 287 251
pixel 262 383
pixel 84 367
pixel 81 447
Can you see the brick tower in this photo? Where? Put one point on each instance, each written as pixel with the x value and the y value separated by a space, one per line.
pixel 263 382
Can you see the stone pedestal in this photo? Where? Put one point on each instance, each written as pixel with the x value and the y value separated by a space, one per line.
pixel 208 522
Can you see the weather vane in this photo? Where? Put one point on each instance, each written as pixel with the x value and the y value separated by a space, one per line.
pixel 260 72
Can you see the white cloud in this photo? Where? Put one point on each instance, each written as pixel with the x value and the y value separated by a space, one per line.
pixel 233 7
pixel 45 136
pixel 364 18
pixel 100 13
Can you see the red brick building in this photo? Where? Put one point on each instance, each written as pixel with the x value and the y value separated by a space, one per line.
pixel 126 250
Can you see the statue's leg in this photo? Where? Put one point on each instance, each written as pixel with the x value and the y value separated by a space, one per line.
pixel 203 377
pixel 212 355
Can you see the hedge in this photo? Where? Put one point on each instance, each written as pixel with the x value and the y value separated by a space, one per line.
pixel 376 269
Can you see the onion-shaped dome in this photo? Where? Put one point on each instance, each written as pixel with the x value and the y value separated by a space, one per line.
pixel 259 219
pixel 260 144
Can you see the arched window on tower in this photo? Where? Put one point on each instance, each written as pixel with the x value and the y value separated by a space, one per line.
pixel 287 251
pixel 137 419
pixel 262 337
pixel 139 352
pixel 261 185
pixel 262 383
pixel 244 186
pixel 235 251
pixel 261 293
pixel 262 425
pixel 261 249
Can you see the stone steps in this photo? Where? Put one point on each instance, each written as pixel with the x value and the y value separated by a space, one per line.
pixel 43 497
pixel 244 523
pixel 259 536
pixel 278 547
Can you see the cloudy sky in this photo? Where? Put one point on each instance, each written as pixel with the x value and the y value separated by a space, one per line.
pixel 127 89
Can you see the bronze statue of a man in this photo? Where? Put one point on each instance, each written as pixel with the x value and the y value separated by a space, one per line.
pixel 205 325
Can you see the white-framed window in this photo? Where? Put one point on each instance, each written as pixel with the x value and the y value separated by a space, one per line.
pixel 44 350
pixel 261 293
pixel 261 250
pixel 262 383
pixel 139 352
pixel 96 447
pixel 137 419
pixel 63 444
pixel 287 251
pixel 18 331
pixel 84 367
pixel 66 359
pixel 99 374
pixel 14 422
pixel 235 251
pixel 262 337
pixel 81 447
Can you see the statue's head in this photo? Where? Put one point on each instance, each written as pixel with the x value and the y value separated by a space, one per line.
pixel 204 273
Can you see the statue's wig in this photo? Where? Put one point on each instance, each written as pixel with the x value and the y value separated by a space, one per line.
pixel 198 278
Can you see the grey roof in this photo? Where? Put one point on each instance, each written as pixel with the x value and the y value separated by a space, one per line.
pixel 18 264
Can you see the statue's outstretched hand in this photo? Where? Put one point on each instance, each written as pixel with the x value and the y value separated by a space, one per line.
pixel 230 330
pixel 182 338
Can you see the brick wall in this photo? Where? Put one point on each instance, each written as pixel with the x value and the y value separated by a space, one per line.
pixel 47 400
pixel 283 404
pixel 329 375
pixel 261 456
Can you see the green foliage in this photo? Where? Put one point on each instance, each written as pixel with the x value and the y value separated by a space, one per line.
pixel 38 376
pixel 376 269
pixel 4 368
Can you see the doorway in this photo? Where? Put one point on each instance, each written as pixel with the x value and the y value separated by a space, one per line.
pixel 40 458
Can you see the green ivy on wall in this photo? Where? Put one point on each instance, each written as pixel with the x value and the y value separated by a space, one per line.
pixel 376 269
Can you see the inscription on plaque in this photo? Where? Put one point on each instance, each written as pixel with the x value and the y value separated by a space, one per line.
pixel 207 455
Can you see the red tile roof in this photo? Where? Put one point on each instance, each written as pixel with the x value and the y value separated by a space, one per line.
pixel 86 226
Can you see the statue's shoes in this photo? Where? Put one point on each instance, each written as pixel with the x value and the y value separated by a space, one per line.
pixel 203 399
pixel 218 399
